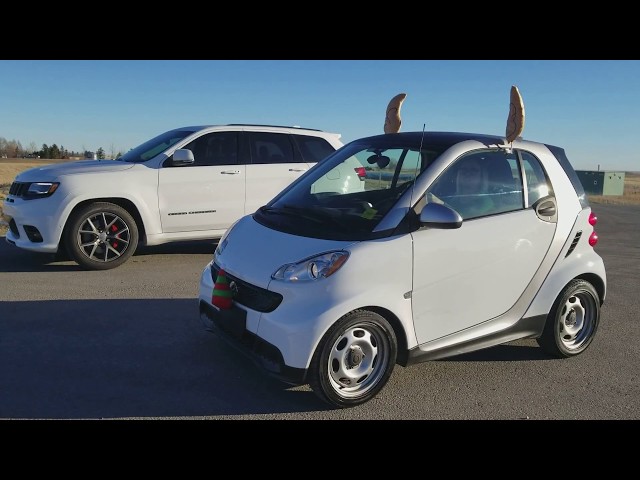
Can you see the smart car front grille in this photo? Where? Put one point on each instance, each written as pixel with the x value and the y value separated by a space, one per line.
pixel 251 296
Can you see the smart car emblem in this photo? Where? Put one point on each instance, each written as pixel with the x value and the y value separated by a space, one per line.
pixel 233 286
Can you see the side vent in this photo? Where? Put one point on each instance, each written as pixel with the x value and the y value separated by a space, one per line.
pixel 574 243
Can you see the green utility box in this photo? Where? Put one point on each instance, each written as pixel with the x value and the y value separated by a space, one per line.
pixel 601 182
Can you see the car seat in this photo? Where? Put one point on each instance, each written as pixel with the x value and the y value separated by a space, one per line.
pixel 502 184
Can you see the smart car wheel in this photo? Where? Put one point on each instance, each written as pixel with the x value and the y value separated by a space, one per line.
pixel 101 236
pixel 354 359
pixel 573 320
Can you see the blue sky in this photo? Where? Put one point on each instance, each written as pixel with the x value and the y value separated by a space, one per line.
pixel 591 108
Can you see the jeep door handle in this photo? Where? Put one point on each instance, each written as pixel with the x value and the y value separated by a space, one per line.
pixel 230 172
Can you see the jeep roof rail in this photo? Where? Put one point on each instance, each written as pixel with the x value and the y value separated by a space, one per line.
pixel 275 126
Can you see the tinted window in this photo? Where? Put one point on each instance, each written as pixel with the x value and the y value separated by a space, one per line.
pixel 270 148
pixel 571 173
pixel 313 149
pixel 219 148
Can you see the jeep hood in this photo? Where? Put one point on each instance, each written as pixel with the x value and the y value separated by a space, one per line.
pixel 54 170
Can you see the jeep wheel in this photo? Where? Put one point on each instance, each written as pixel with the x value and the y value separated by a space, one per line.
pixel 101 236
pixel 354 359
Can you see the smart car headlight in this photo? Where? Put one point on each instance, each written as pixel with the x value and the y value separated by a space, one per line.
pixel 312 268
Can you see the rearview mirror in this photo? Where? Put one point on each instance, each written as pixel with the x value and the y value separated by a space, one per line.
pixel 381 160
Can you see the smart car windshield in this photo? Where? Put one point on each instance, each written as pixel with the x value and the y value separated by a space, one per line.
pixel 346 196
pixel 156 145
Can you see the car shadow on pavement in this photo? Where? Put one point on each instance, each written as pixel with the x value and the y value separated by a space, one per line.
pixel 129 358
pixel 14 259
pixel 517 351
pixel 193 247
pixel 145 359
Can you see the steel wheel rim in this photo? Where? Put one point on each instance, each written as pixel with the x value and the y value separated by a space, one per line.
pixel 358 360
pixel 103 237
pixel 577 320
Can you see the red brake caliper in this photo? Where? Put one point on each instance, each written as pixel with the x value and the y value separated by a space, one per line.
pixel 114 229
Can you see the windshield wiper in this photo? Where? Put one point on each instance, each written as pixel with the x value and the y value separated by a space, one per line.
pixel 314 214
pixel 291 211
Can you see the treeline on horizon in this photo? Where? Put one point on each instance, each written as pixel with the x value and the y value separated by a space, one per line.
pixel 14 149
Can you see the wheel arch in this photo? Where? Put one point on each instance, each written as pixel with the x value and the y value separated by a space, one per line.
pixel 398 329
pixel 573 320
pixel 127 204
pixel 597 282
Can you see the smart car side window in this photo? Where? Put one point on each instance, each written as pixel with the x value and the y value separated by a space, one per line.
pixel 480 184
pixel 538 184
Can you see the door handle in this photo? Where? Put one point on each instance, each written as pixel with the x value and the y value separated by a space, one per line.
pixel 230 172
pixel 547 209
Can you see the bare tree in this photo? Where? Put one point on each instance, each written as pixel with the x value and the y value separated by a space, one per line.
pixel 14 149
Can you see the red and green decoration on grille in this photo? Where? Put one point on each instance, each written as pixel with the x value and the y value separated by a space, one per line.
pixel 222 296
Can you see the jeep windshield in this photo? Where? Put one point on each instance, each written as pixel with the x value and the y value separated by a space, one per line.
pixel 156 145
pixel 345 196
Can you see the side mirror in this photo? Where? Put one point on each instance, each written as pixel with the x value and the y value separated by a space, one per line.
pixel 436 215
pixel 182 156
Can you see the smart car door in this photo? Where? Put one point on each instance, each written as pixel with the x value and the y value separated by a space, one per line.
pixel 472 274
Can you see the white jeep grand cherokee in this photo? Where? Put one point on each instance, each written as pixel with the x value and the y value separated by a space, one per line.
pixel 190 183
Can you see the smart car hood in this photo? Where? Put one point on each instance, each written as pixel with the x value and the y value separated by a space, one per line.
pixel 253 252
pixel 54 170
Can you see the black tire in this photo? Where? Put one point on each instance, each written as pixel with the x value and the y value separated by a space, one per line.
pixel 573 320
pixel 101 236
pixel 354 359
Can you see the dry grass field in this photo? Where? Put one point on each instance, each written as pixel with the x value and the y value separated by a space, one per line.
pixel 9 168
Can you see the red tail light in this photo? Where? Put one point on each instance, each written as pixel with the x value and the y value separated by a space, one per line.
pixel 593 238
pixel 361 172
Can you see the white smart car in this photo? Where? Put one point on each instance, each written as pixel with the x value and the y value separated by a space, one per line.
pixel 458 242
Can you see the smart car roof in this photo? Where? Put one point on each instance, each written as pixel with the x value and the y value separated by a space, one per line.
pixel 444 138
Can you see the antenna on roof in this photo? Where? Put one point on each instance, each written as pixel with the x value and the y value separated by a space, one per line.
pixel 392 120
pixel 515 120
pixel 419 164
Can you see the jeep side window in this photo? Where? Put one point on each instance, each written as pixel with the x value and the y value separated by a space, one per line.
pixel 218 148
pixel 313 149
pixel 270 148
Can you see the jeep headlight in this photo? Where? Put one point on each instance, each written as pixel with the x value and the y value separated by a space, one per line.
pixel 312 268
pixel 41 189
